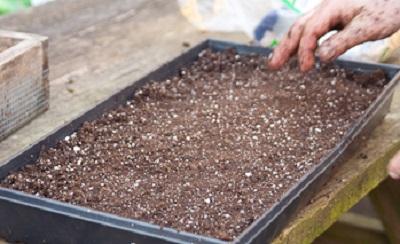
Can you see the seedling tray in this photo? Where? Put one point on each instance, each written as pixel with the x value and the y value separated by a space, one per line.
pixel 33 219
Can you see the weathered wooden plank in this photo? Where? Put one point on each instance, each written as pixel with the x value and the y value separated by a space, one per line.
pixel 61 18
pixel 386 199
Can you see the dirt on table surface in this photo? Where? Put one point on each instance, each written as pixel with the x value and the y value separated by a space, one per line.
pixel 207 151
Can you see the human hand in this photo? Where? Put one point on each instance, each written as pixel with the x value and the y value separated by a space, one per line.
pixel 357 21
pixel 394 167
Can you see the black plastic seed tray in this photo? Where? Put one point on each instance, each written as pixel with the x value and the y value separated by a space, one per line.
pixel 31 219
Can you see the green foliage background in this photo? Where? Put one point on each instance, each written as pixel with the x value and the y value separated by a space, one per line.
pixel 8 6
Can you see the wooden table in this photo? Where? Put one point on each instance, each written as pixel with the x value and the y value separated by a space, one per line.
pixel 100 46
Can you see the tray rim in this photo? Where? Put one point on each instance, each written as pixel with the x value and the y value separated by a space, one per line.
pixel 168 234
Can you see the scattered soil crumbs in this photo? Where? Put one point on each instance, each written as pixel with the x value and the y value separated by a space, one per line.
pixel 207 151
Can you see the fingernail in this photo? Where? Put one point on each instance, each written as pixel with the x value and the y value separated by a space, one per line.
pixel 303 66
pixel 318 51
pixel 305 69
pixel 270 56
pixel 270 64
pixel 394 175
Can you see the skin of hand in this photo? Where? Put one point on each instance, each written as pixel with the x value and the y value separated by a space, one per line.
pixel 394 167
pixel 357 21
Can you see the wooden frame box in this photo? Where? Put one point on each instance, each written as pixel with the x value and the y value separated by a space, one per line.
pixel 24 85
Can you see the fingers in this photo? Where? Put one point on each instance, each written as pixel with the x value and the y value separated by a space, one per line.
pixel 307 46
pixel 303 37
pixel 394 167
pixel 352 35
pixel 288 46
pixel 316 28
pixel 364 21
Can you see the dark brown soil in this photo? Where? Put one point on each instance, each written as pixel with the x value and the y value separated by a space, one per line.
pixel 209 150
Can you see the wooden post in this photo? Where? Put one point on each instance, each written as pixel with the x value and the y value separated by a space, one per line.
pixel 345 233
pixel 386 200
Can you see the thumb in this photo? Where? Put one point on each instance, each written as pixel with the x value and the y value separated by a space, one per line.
pixel 353 34
pixel 394 167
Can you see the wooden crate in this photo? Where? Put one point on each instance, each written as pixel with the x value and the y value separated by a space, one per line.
pixel 24 84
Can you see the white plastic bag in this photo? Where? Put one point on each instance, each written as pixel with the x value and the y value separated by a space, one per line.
pixel 39 2
pixel 250 16
pixel 266 21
